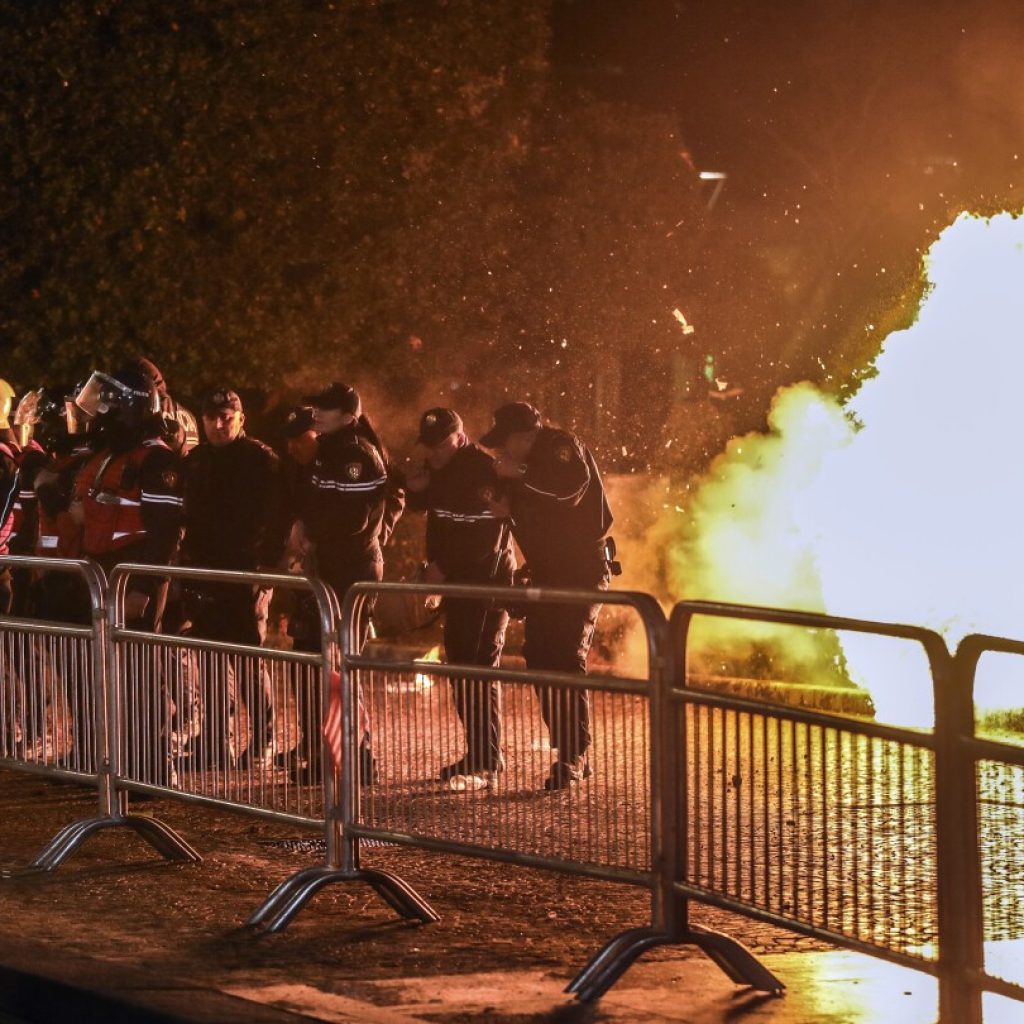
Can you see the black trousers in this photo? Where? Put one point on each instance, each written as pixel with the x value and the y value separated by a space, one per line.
pixel 232 613
pixel 307 638
pixel 474 634
pixel 558 637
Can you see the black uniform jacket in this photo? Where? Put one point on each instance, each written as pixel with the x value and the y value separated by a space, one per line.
pixel 463 535
pixel 236 514
pixel 561 513
pixel 345 503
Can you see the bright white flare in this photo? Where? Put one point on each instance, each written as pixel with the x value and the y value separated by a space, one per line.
pixel 907 505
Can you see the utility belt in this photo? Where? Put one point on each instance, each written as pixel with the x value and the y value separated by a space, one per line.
pixel 573 566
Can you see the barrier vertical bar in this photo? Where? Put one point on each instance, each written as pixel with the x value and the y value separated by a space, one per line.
pixel 670 924
pixel 341 797
pixel 961 913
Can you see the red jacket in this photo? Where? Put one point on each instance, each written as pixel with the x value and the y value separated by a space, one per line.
pixel 131 504
pixel 58 534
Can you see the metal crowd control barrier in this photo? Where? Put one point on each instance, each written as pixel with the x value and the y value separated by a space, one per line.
pixel 837 828
pixel 53 708
pixel 896 842
pixel 229 725
pixel 602 827
pixel 991 777
pixel 178 714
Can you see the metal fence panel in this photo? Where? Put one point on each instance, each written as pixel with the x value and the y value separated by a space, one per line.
pixel 822 825
pixel 601 826
pixel 994 878
pixel 220 723
pixel 604 821
pixel 820 821
pixel 51 676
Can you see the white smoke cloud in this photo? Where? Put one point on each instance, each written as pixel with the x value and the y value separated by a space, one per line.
pixel 907 504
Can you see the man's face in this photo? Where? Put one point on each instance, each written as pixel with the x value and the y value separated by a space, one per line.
pixel 439 455
pixel 519 445
pixel 222 426
pixel 303 448
pixel 327 421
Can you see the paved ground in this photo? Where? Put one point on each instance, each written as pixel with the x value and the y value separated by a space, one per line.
pixel 825 988
pixel 114 923
pixel 115 934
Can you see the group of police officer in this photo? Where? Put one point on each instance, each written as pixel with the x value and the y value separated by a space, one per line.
pixel 115 471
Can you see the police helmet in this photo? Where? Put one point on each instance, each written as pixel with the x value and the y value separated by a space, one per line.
pixel 129 391
pixel 42 414
pixel 6 401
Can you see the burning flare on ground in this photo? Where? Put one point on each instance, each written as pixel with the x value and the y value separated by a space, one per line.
pixel 423 680
pixel 906 504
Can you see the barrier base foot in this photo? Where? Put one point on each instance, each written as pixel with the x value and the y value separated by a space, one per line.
pixel 294 892
pixel 619 954
pixel 161 837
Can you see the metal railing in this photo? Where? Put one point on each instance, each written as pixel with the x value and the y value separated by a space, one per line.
pixel 990 776
pixel 602 828
pixel 234 725
pixel 837 828
pixel 54 712
pixel 51 672
pixel 897 842
pixel 174 715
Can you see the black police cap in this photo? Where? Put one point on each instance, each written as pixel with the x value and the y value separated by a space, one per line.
pixel 514 418
pixel 438 424
pixel 335 396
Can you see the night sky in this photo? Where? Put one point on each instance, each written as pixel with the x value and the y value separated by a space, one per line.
pixel 919 82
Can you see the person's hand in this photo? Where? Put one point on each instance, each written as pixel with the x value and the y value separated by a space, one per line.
pixel 77 512
pixel 417 478
pixel 299 546
pixel 508 469
pixel 135 605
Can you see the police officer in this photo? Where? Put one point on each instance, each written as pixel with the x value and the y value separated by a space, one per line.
pixel 54 720
pixel 561 519
pixel 466 543
pixel 60 597
pixel 41 422
pixel 127 496
pixel 300 438
pixel 301 445
pixel 235 517
pixel 180 430
pixel 300 454
pixel 349 511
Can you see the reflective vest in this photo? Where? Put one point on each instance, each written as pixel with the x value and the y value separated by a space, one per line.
pixel 109 486
pixel 60 536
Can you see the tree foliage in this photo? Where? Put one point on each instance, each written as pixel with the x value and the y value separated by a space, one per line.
pixel 272 194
